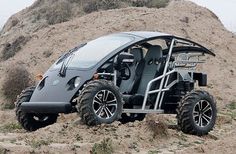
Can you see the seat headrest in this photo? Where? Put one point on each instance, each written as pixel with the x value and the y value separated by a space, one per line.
pixel 154 52
pixel 138 54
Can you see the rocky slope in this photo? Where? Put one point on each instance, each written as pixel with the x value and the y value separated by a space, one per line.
pixel 44 44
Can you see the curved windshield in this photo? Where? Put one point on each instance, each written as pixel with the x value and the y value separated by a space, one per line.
pixel 94 51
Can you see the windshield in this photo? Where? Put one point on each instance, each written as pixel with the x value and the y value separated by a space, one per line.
pixel 94 51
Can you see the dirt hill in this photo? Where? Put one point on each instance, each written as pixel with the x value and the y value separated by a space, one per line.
pixel 42 43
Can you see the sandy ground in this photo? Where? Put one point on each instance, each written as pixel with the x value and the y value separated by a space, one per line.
pixel 69 136
pixel 192 22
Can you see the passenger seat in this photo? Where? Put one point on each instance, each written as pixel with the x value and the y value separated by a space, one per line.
pixel 149 70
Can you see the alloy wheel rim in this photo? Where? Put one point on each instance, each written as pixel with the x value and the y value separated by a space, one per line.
pixel 105 104
pixel 40 118
pixel 202 113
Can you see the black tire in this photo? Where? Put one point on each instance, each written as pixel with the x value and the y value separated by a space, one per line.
pixel 196 113
pixel 94 103
pixel 132 117
pixel 31 121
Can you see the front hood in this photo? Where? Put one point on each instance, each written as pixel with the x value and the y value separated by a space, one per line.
pixel 55 87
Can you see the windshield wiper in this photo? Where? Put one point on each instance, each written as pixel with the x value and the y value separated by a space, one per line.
pixel 62 71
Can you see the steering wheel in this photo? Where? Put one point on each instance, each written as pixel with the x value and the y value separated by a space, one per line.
pixel 124 74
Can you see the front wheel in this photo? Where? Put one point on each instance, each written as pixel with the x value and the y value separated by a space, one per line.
pixel 31 121
pixel 196 113
pixel 100 102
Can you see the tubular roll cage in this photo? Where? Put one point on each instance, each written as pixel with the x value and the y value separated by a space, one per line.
pixel 163 84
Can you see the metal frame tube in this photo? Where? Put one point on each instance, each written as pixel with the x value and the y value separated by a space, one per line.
pixel 158 78
pixel 115 77
pixel 164 74
pixel 149 85
pixel 142 111
pixel 163 93
pixel 161 90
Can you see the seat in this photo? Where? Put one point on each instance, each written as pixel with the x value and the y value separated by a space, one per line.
pixel 126 86
pixel 151 68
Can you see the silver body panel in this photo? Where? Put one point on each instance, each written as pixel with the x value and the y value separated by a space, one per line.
pixel 56 90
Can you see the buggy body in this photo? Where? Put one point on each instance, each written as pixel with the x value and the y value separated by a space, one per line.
pixel 124 76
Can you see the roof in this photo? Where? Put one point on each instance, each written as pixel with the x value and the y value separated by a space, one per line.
pixel 147 34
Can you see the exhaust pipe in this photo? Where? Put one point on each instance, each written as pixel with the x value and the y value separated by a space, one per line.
pixel 46 107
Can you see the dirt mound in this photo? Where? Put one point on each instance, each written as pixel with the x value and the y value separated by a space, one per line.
pixel 43 12
pixel 180 18
pixel 192 22
pixel 68 135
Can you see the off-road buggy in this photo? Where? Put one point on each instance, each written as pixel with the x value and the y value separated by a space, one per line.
pixel 122 77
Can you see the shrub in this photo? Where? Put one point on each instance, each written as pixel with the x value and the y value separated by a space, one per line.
pixel 14 21
pixel 95 5
pixel 3 150
pixel 157 126
pixel 47 53
pixel 38 143
pixel 64 10
pixel 231 105
pixel 60 12
pixel 185 20
pixel 11 49
pixel 105 147
pixel 10 127
pixel 90 6
pixel 74 1
pixel 78 137
pixel 17 79
pixel 150 3
pixel 158 3
pixel 37 4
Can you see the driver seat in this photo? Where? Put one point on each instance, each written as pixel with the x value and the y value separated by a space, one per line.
pixel 126 86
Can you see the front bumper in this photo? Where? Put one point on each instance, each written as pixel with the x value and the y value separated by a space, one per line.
pixel 46 107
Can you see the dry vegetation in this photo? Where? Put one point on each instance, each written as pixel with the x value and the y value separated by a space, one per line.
pixel 16 79
pixel 10 49
pixel 3 150
pixel 61 11
pixel 158 126
pixel 10 127
pixel 41 14
pixel 38 143
pixel 105 147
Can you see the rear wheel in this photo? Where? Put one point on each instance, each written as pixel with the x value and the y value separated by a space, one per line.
pixel 100 102
pixel 31 121
pixel 196 113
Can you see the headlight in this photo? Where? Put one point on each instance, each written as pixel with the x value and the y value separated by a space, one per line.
pixel 77 81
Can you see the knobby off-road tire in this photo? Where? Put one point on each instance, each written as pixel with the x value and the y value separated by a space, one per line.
pixel 196 113
pixel 100 102
pixel 132 117
pixel 31 121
